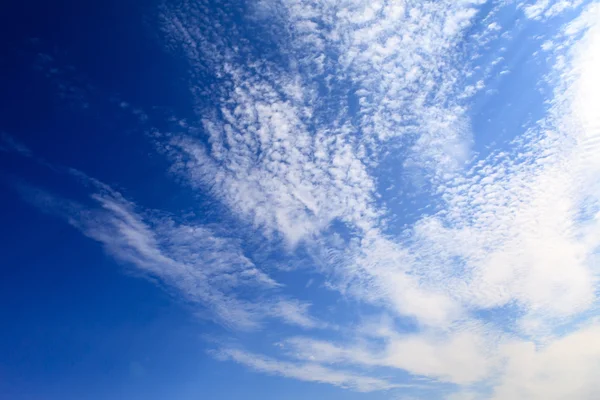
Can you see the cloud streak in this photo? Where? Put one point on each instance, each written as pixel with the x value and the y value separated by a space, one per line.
pixel 200 265
pixel 310 372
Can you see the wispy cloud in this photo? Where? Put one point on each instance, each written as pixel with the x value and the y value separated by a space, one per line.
pixel 544 9
pixel 297 143
pixel 432 357
pixel 310 372
pixel 292 160
pixel 192 260
pixel 10 144
pixel 399 62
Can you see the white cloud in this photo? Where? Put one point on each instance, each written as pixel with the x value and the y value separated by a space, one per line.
pixel 294 313
pixel 464 395
pixel 567 368
pixel 528 240
pixel 291 164
pixel 193 260
pixel 544 9
pixel 292 159
pixel 9 144
pixel 461 358
pixel 381 271
pixel 536 9
pixel 402 62
pixel 310 372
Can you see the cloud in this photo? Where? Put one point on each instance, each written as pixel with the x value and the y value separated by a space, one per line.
pixel 382 271
pixel 192 260
pixel 461 358
pixel 294 313
pixel 524 227
pixel 545 9
pixel 292 160
pixel 518 229
pixel 401 62
pixel 309 372
pixel 297 156
pixel 566 368
pixel 9 144
pixel 524 221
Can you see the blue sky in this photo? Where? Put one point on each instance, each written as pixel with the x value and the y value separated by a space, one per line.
pixel 299 199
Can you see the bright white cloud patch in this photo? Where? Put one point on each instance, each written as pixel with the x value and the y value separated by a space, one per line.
pixel 566 368
pixel 426 355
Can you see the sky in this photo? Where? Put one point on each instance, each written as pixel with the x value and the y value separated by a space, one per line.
pixel 291 199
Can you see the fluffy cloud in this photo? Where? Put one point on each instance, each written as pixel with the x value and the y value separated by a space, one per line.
pixel 566 368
